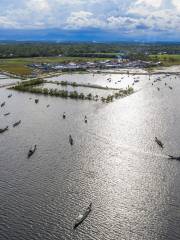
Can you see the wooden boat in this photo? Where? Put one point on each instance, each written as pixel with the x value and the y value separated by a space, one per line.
pixel 3 129
pixel 159 142
pixel 6 114
pixel 36 101
pixel 16 123
pixel 174 158
pixel 85 119
pixel 3 104
pixel 10 95
pixel 170 87
pixel 83 216
pixel 71 140
pixel 32 151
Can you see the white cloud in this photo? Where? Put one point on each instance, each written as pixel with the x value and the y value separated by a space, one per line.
pixel 124 16
pixel 82 19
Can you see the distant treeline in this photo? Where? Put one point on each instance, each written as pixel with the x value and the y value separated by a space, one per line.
pixel 38 49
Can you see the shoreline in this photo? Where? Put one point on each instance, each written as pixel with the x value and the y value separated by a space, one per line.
pixel 173 70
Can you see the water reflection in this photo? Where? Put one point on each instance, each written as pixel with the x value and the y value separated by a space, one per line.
pixel 114 163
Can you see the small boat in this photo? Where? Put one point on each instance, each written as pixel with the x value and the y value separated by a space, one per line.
pixel 64 115
pixel 3 104
pixel 85 119
pixel 83 216
pixel 10 95
pixel 36 101
pixel 158 89
pixel 170 87
pixel 32 151
pixel 16 123
pixel 174 158
pixel 165 84
pixel 6 114
pixel 159 142
pixel 71 140
pixel 47 105
pixel 136 81
pixel 3 129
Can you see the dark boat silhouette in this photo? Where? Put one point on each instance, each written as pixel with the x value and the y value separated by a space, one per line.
pixel 173 157
pixel 16 123
pixel 159 142
pixel 10 95
pixel 83 216
pixel 32 151
pixel 6 114
pixel 3 129
pixel 36 101
pixel 3 104
pixel 64 115
pixel 71 140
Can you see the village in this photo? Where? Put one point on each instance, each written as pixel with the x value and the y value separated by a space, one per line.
pixel 107 64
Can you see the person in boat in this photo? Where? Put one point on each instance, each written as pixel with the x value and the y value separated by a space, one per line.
pixel 31 151
pixel 85 119
pixel 64 115
pixel 71 140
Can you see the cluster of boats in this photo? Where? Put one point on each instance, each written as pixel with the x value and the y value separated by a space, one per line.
pixel 162 146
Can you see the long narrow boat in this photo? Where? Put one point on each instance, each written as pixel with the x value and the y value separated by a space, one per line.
pixel 10 95
pixel 6 114
pixel 31 151
pixel 83 216
pixel 159 142
pixel 16 123
pixel 173 157
pixel 71 140
pixel 3 104
pixel 3 129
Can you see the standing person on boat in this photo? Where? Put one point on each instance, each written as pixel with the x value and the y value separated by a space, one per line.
pixel 64 115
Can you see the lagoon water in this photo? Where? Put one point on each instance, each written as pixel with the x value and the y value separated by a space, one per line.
pixel 114 163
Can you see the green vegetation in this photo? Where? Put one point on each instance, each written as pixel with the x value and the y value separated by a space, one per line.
pixel 15 57
pixel 29 86
pixel 166 59
pixel 74 84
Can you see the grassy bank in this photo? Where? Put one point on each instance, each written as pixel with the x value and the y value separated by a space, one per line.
pixel 167 60
pixel 18 66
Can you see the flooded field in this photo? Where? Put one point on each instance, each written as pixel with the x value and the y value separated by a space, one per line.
pixel 114 162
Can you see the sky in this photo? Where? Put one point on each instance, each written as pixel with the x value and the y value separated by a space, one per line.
pixel 92 19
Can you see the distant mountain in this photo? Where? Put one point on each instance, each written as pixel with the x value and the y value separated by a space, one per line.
pixel 84 35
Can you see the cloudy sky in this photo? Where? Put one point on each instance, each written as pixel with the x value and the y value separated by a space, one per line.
pixel 154 19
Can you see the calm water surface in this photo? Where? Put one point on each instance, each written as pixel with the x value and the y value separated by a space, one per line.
pixel 114 163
